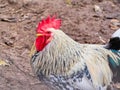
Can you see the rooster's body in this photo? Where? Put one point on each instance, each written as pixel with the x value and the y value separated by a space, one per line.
pixel 68 65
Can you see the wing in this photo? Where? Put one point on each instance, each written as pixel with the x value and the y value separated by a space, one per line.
pixel 77 81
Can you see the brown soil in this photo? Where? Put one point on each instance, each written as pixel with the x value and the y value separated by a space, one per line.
pixel 18 21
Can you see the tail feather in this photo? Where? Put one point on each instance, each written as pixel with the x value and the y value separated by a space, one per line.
pixel 114 42
pixel 115 66
pixel 114 46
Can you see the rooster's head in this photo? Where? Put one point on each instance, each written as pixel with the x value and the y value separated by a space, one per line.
pixel 44 35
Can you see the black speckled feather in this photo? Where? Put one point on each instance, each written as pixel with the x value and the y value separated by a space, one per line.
pixel 69 82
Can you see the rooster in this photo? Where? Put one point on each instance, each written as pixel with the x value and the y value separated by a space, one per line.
pixel 66 64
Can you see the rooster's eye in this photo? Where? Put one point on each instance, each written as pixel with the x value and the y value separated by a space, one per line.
pixel 48 32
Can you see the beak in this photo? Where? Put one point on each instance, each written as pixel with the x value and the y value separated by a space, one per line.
pixel 39 34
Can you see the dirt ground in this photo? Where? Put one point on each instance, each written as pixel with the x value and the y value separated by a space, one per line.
pixel 86 21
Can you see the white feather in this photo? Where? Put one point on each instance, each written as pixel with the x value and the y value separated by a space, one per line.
pixel 116 34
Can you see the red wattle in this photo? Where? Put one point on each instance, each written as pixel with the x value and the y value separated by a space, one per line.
pixel 40 43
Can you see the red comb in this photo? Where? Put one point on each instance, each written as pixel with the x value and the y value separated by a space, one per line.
pixel 49 22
